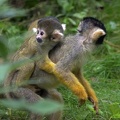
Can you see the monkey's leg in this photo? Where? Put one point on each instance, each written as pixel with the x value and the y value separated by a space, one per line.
pixel 52 94
pixel 91 93
pixel 23 73
pixel 18 77
pixel 56 96
pixel 31 97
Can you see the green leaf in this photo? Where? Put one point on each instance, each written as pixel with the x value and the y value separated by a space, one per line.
pixel 113 25
pixel 45 107
pixel 115 110
pixel 3 47
pixel 2 1
pixel 7 11
pixel 116 116
pixel 65 5
pixel 42 107
pixel 4 68
pixel 16 104
pixel 90 107
pixel 72 21
pixel 80 15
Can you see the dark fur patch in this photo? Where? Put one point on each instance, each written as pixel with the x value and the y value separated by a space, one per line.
pixel 96 23
pixel 49 24
pixel 42 92
pixel 48 18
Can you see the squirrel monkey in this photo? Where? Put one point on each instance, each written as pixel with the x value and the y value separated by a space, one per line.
pixel 49 33
pixel 69 57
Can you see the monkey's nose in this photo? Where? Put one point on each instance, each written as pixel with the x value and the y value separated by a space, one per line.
pixel 39 40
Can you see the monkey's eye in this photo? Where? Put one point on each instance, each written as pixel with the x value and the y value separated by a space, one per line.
pixel 41 33
pixel 52 38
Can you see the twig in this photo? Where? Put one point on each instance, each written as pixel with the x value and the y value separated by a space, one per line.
pixel 112 45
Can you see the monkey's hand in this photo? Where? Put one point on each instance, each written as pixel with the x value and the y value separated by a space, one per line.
pixel 46 65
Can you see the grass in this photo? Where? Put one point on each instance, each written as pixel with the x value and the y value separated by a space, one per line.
pixel 108 93
pixel 107 87
pixel 102 71
pixel 103 74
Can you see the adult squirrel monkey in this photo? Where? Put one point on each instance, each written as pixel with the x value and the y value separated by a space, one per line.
pixel 69 57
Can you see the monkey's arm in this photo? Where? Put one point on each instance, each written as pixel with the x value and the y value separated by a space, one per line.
pixel 65 77
pixel 30 97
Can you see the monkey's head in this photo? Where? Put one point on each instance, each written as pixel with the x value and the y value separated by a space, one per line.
pixel 49 30
pixel 92 28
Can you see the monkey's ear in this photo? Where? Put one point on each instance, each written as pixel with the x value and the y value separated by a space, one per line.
pixel 64 26
pixel 34 30
pixel 97 34
pixel 57 35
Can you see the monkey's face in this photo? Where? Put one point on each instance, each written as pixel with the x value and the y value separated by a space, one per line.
pixel 43 37
pixel 49 31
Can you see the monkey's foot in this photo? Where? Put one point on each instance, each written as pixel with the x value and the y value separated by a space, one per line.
pixel 95 104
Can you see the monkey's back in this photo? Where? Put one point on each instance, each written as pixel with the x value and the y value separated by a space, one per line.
pixel 69 54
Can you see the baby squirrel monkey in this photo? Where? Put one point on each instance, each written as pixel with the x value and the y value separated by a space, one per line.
pixel 69 57
pixel 49 33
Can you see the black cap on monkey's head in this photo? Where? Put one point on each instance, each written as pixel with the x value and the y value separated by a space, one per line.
pixel 50 24
pixel 89 23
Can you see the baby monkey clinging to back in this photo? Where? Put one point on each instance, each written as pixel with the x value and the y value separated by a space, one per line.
pixel 70 55
pixel 49 33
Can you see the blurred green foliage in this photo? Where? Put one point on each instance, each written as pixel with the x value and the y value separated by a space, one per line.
pixel 103 69
pixel 8 11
